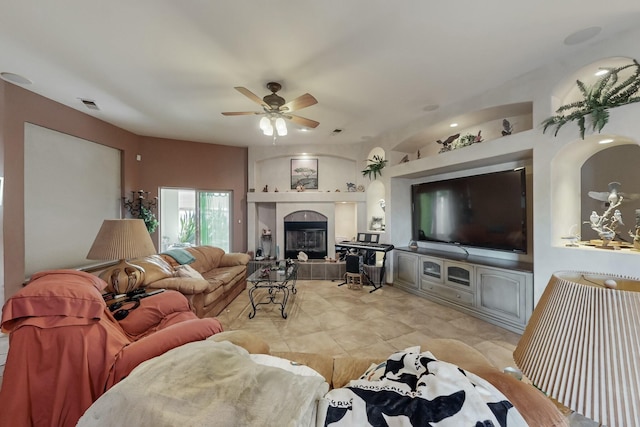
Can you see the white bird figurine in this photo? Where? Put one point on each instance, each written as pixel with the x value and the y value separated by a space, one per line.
pixel 617 216
pixel 594 218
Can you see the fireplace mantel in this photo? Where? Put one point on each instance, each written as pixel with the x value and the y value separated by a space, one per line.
pixel 306 196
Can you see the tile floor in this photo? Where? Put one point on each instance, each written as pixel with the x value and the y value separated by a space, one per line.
pixel 324 317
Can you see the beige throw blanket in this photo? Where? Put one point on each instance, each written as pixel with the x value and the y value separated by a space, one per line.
pixel 208 383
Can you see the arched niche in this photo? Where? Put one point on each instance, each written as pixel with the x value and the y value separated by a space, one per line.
pixel 616 164
pixel 568 191
pixel 376 193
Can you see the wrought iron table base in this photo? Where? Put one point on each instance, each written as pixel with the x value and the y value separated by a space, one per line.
pixel 273 290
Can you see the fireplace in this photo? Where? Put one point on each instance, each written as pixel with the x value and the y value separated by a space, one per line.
pixel 305 231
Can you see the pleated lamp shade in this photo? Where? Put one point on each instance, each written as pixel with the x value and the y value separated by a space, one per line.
pixel 582 346
pixel 122 239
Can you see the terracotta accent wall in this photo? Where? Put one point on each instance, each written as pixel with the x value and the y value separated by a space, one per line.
pixel 22 106
pixel 184 164
pixel 164 163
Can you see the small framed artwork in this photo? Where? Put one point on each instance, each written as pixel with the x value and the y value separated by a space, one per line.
pixel 304 172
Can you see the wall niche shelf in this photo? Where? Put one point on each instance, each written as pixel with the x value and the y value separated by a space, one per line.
pixel 488 120
pixel 519 147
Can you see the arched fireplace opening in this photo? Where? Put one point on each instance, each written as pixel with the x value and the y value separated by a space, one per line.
pixel 305 231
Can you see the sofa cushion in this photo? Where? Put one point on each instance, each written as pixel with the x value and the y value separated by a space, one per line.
pixel 153 311
pixel 185 285
pixel 180 255
pixel 235 258
pixel 207 257
pixel 188 271
pixel 226 274
pixel 155 268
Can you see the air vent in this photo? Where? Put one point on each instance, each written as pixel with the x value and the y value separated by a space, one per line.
pixel 90 104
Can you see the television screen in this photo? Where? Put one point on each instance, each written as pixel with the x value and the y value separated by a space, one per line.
pixel 484 211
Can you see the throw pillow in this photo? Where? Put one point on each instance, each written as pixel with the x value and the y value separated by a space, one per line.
pixel 188 271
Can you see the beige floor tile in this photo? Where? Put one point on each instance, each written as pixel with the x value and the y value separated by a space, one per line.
pixel 325 317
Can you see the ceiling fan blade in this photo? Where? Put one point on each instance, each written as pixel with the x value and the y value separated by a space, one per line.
pixel 240 113
pixel 302 121
pixel 252 96
pixel 299 103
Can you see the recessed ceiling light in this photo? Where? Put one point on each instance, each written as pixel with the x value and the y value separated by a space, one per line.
pixel 582 36
pixel 304 130
pixel 453 125
pixel 605 141
pixel 15 78
pixel 601 72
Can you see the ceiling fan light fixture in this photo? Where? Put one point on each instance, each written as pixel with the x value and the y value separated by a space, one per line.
pixel 264 124
pixel 281 126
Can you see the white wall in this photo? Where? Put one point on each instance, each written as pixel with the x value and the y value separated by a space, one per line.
pixel 556 160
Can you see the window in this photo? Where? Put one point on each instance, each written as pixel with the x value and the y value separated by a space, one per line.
pixel 195 217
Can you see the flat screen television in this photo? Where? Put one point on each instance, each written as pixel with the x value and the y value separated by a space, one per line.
pixel 484 211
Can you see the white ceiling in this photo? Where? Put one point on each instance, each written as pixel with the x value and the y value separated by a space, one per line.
pixel 167 68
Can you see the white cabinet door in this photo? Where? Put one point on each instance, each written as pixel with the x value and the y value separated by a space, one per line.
pixel 406 270
pixel 431 269
pixel 505 294
pixel 459 275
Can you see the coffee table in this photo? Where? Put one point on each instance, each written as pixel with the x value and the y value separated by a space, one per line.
pixel 278 278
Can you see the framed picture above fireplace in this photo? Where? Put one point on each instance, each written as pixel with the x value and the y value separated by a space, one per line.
pixel 304 172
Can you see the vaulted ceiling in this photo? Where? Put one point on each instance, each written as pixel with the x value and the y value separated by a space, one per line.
pixel 168 69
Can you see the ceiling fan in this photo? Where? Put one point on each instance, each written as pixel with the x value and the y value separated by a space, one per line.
pixel 276 109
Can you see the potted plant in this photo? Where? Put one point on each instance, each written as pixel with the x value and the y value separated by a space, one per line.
pixel 149 219
pixel 606 93
pixel 374 167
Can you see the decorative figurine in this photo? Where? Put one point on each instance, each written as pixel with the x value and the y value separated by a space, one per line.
pixel 446 144
pixel 507 128
pixel 351 187
pixel 607 223
pixel 265 189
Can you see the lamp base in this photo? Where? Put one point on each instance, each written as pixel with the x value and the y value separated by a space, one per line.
pixel 123 277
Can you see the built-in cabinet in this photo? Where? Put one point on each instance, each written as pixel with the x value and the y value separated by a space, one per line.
pixel 498 291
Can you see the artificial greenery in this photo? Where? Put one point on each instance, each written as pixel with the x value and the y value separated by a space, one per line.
pixel 374 167
pixel 149 219
pixel 605 93
pixel 187 233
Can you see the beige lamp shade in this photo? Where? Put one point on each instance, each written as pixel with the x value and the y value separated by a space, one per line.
pixel 582 346
pixel 122 239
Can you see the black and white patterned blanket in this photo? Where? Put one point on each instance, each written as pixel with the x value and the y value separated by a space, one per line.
pixel 415 389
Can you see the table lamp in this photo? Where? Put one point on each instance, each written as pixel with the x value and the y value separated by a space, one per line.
pixel 582 346
pixel 122 239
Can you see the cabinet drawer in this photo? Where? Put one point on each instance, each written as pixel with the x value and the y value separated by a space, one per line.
pixel 448 293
